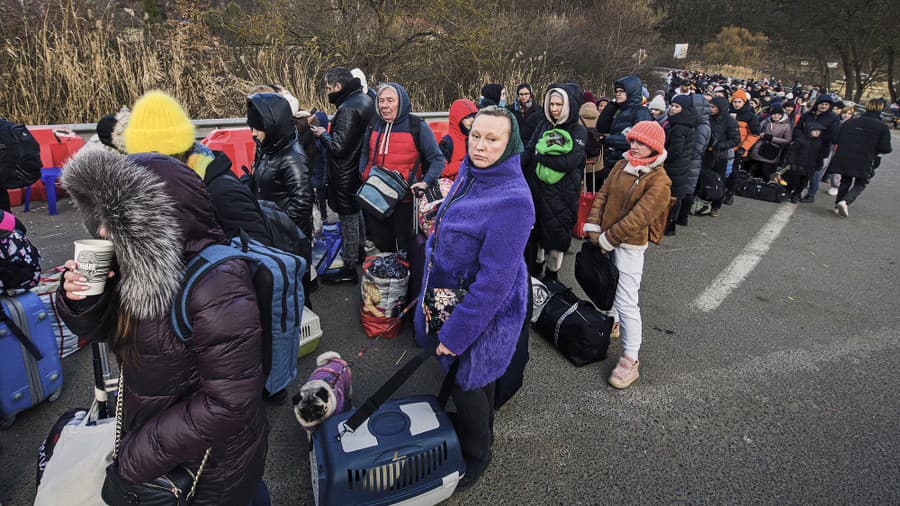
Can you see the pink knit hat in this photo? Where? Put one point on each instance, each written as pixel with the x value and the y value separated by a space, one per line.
pixel 650 134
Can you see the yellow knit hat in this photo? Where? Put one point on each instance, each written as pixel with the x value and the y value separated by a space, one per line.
pixel 158 123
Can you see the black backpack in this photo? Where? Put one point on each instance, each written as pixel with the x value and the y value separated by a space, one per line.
pixel 710 186
pixel 20 156
pixel 20 261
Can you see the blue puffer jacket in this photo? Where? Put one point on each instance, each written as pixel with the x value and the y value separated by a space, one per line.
pixel 617 117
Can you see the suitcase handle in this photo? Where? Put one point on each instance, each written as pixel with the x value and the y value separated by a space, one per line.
pixel 22 338
pixel 394 382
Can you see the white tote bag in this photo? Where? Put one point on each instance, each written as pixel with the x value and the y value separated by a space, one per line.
pixel 75 473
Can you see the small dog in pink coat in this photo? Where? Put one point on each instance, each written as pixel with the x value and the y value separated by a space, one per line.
pixel 326 392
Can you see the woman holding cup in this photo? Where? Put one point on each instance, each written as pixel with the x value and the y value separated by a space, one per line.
pixel 181 398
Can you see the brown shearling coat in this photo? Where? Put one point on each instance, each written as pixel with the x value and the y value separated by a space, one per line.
pixel 630 209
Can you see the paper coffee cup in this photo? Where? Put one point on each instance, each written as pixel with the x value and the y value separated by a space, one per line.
pixel 94 258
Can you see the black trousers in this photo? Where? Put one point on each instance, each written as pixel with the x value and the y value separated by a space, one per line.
pixel 684 209
pixel 850 189
pixel 796 183
pixel 474 424
pixel 720 167
pixel 4 200
pixel 394 233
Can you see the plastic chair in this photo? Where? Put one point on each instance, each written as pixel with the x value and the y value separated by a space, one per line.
pixel 56 149
pixel 237 144
pixel 49 176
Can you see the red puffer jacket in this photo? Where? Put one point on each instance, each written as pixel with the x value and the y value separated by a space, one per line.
pixel 180 398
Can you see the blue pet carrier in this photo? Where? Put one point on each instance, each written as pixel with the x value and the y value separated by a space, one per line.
pixel 403 451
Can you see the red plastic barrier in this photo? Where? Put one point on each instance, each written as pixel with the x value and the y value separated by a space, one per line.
pixel 440 129
pixel 16 196
pixel 237 144
pixel 57 146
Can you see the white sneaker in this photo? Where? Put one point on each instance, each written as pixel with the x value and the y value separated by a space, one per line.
pixel 841 209
pixel 832 191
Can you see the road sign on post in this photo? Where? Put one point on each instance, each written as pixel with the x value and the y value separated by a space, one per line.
pixel 681 51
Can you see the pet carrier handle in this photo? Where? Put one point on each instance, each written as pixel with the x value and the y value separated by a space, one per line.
pixel 394 382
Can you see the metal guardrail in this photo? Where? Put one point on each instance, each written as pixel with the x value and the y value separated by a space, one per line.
pixel 205 126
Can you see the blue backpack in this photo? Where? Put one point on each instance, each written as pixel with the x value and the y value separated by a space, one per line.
pixel 278 282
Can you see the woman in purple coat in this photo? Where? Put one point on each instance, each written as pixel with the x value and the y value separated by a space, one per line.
pixel 477 249
pixel 181 398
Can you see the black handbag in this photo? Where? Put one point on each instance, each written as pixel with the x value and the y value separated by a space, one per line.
pixel 769 150
pixel 174 488
pixel 597 275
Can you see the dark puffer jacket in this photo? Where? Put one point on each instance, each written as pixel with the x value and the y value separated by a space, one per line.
pixel 280 173
pixel 680 149
pixel 828 120
pixel 556 205
pixel 348 128
pixel 724 133
pixel 617 117
pixel 702 133
pixel 859 141
pixel 180 398
pixel 235 206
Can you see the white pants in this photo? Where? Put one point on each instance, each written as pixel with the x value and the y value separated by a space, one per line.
pixel 630 262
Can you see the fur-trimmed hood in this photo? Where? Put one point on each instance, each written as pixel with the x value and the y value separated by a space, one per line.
pixel 157 213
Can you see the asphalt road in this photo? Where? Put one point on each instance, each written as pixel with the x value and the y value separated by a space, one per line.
pixel 787 392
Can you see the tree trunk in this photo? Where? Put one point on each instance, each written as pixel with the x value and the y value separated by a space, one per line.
pixel 891 52
pixel 848 73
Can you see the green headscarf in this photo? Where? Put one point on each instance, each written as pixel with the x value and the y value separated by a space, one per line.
pixel 514 146
pixel 543 147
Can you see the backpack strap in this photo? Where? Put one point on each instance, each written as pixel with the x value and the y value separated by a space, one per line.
pixel 209 258
pixel 415 128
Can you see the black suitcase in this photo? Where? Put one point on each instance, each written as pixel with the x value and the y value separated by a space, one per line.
pixel 574 326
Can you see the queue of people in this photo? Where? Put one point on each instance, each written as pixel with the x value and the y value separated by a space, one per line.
pixel 508 215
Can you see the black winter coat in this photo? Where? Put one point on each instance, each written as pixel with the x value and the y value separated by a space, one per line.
pixel 523 117
pixel 829 121
pixel 702 133
pixel 724 132
pixel 860 140
pixel 280 173
pixel 556 205
pixel 348 133
pixel 180 397
pixel 235 205
pixel 680 149
pixel 615 118
pixel 805 154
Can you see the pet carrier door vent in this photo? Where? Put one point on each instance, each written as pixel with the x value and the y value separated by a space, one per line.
pixel 403 471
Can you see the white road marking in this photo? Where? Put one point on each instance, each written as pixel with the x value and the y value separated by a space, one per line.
pixel 743 264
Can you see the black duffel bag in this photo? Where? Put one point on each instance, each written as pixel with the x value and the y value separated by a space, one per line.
pixel 574 326
pixel 597 275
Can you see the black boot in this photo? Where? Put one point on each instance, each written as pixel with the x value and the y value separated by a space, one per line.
pixel 550 275
pixel 729 199
pixel 344 275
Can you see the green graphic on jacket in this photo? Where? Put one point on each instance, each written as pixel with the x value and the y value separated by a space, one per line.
pixel 553 142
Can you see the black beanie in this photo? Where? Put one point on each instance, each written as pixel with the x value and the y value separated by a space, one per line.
pixel 491 93
pixel 105 128
pixel 776 109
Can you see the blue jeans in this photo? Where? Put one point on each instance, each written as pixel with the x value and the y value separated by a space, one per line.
pixel 261 497
pixel 814 183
